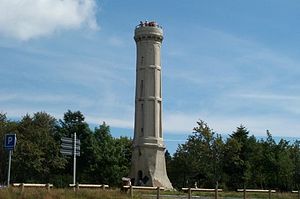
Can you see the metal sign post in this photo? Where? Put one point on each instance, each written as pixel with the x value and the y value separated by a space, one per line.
pixel 10 141
pixel 9 166
pixel 74 159
pixel 71 146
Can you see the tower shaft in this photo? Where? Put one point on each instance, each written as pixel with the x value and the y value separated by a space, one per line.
pixel 148 159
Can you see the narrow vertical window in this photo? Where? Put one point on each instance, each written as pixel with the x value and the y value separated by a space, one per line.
pixel 160 83
pixel 142 88
pixel 142 60
pixel 160 119
pixel 142 120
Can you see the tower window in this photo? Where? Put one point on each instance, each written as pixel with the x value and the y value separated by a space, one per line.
pixel 142 88
pixel 160 118
pixel 142 120
pixel 142 60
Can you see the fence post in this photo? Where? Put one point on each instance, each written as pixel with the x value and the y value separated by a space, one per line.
pixel 244 193
pixel 22 187
pixel 158 192
pixel 270 191
pixel 103 186
pixel 216 191
pixel 298 194
pixel 131 191
pixel 48 186
pixel 189 193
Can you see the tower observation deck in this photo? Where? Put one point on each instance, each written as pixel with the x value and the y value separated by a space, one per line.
pixel 148 159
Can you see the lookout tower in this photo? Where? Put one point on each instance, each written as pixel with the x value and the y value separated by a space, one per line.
pixel 148 158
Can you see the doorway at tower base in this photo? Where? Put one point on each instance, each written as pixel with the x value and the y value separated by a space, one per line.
pixel 149 167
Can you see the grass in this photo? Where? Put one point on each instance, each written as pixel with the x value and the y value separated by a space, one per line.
pixel 40 193
pixel 225 195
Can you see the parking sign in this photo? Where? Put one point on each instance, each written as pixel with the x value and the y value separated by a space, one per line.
pixel 10 141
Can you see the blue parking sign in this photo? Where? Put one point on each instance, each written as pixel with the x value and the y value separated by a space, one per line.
pixel 10 141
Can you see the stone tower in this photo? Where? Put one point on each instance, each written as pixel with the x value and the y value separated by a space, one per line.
pixel 148 158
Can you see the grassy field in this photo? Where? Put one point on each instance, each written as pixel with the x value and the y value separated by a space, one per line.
pixel 37 193
pixel 251 195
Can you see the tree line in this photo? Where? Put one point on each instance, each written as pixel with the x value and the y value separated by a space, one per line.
pixel 204 160
pixel 37 157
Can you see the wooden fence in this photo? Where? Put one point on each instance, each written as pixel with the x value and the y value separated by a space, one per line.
pixel 190 190
pixel 33 185
pixel 270 191
pixel 131 188
pixel 298 192
pixel 90 186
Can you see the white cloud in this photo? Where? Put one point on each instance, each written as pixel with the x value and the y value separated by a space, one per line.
pixel 26 19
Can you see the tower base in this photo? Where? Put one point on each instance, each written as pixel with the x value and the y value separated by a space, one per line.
pixel 149 167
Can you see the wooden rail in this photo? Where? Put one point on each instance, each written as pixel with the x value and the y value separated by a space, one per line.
pixel 270 191
pixel 257 190
pixel 131 188
pixel 190 190
pixel 23 185
pixel 90 186
pixel 298 192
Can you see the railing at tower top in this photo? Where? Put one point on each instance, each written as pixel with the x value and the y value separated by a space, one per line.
pixel 148 24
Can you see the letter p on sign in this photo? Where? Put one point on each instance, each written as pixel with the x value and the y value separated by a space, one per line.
pixel 10 141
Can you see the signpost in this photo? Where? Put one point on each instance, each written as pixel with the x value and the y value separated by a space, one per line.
pixel 67 146
pixel 10 141
pixel 71 146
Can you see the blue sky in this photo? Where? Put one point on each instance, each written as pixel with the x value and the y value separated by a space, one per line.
pixel 226 62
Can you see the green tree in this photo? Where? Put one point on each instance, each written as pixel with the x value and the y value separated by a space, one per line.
pixel 199 159
pixel 122 152
pixel 168 159
pixel 3 156
pixel 74 122
pixel 114 156
pixel 37 155
pixel 272 164
pixel 236 160
pixel 269 163
pixel 295 156
pixel 257 175
pixel 179 169
pixel 285 165
pixel 6 127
